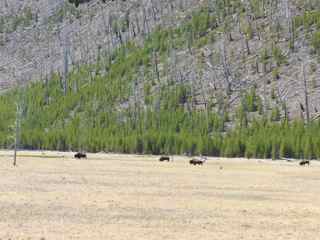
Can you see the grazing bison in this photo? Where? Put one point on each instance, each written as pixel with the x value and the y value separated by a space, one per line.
pixel 197 161
pixel 304 162
pixel 80 155
pixel 164 158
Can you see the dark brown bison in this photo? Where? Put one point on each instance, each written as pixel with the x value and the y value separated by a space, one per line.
pixel 198 161
pixel 304 162
pixel 164 158
pixel 80 155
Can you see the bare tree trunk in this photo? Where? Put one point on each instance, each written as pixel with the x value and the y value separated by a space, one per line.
pixel 156 67
pixel 306 96
pixel 247 45
pixel 17 132
pixel 226 69
pixel 65 65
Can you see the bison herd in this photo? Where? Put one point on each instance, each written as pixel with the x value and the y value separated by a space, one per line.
pixel 194 161
pixel 201 160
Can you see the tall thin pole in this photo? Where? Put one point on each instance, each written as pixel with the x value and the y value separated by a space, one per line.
pixel 17 135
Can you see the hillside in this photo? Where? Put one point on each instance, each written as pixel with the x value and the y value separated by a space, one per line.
pixel 34 34
pixel 232 78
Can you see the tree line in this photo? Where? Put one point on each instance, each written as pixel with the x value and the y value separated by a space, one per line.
pixel 121 104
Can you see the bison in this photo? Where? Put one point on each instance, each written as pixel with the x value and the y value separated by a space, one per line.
pixel 198 161
pixel 164 158
pixel 304 162
pixel 80 155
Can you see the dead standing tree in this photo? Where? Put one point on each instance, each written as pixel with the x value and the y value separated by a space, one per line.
pixel 19 107
pixel 65 66
pixel 17 132
pixel 226 69
pixel 306 96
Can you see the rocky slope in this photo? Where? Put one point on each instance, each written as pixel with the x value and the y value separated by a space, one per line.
pixel 199 77
pixel 35 34
pixel 42 37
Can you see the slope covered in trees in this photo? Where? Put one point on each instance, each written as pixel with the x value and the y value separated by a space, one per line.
pixel 184 89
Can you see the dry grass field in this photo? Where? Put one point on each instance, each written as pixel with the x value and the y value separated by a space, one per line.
pixel 53 196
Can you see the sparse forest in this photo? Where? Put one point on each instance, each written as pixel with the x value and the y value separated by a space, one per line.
pixel 223 78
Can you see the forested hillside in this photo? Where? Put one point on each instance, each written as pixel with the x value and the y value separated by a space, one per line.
pixel 223 78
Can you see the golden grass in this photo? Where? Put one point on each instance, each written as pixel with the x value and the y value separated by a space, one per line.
pixel 136 197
